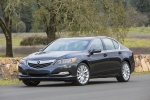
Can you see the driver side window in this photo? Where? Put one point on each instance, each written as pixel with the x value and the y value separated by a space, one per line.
pixel 96 45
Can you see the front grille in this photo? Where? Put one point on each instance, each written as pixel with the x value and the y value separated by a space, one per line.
pixel 39 65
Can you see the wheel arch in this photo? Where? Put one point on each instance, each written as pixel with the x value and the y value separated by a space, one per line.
pixel 128 61
pixel 86 62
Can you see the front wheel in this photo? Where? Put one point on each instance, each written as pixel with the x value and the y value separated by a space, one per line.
pixel 83 74
pixel 124 74
pixel 30 83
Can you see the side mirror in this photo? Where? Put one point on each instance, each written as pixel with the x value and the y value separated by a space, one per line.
pixel 95 51
pixel 40 50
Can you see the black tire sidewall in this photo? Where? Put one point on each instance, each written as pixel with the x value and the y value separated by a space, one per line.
pixel 30 83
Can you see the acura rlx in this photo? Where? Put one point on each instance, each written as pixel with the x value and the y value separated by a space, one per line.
pixel 77 60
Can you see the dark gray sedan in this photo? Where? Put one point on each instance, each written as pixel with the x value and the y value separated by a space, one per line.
pixel 77 60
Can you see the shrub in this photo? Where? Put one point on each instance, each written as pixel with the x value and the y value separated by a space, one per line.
pixel 34 40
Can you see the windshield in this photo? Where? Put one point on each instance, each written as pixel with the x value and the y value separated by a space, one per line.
pixel 68 45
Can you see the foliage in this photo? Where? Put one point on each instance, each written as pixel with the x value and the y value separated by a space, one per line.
pixel 26 15
pixel 136 18
pixel 21 27
pixel 142 6
pixel 117 18
pixel 78 17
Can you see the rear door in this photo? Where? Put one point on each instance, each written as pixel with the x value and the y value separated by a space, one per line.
pixel 114 55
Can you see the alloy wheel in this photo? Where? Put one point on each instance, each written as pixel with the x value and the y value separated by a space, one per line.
pixel 83 74
pixel 126 71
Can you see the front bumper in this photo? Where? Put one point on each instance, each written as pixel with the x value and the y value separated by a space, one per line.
pixel 50 73
pixel 50 78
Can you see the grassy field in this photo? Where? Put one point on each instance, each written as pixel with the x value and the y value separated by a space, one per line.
pixel 17 38
pixel 141 30
pixel 138 37
pixel 9 82
pixel 129 42
pixel 134 42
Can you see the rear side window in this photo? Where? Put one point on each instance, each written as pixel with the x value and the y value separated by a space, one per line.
pixel 108 44
pixel 116 44
pixel 96 44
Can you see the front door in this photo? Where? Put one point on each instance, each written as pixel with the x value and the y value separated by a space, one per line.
pixel 98 61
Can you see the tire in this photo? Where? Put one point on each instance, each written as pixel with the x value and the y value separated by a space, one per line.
pixel 30 83
pixel 124 73
pixel 83 74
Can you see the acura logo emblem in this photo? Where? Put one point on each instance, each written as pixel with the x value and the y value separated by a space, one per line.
pixel 38 62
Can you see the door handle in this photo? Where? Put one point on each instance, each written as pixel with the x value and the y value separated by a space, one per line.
pixel 119 52
pixel 105 55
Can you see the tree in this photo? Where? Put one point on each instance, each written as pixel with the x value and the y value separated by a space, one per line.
pixel 9 11
pixel 101 17
pixel 117 18
pixel 26 15
pixel 142 6
pixel 58 15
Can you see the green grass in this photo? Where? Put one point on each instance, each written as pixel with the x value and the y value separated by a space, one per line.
pixel 140 73
pixel 133 42
pixel 9 82
pixel 141 30
pixel 18 37
pixel 2 55
pixel 16 41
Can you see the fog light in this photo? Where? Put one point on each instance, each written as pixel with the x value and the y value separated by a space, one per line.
pixel 64 73
pixel 20 73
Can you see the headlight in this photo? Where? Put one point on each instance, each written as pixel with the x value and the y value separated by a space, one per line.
pixel 65 61
pixel 24 62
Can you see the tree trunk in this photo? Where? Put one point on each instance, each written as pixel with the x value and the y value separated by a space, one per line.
pixel 50 34
pixel 51 29
pixel 9 51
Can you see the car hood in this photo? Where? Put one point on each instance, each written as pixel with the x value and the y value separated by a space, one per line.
pixel 52 55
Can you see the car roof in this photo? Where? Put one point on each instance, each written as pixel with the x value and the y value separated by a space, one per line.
pixel 89 38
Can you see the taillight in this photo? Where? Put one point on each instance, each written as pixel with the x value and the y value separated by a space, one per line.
pixel 132 52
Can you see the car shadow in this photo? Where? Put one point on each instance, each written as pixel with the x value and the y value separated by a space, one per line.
pixel 67 84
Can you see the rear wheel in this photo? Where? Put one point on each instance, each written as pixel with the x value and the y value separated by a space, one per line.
pixel 30 83
pixel 83 74
pixel 124 73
